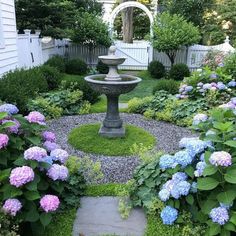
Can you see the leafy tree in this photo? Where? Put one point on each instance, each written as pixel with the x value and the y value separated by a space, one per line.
pixel 91 31
pixel 54 18
pixel 191 10
pixel 90 6
pixel 221 21
pixel 171 32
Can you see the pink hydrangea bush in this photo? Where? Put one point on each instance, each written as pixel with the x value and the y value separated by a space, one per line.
pixel 32 179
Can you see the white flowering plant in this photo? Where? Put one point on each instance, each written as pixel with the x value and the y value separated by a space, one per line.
pixel 34 180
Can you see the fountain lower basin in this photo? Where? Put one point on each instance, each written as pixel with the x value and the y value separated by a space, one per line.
pixel 116 87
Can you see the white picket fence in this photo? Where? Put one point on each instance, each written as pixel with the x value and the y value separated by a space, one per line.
pixel 34 51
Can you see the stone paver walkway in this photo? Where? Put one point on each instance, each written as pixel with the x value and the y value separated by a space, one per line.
pixel 100 216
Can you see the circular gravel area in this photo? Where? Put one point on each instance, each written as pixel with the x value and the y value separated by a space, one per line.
pixel 119 169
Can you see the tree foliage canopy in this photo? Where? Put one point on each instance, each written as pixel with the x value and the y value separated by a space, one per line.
pixel 54 18
pixel 171 32
pixel 91 31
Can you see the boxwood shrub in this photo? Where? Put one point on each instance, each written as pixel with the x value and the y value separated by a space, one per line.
pixel 21 85
pixel 169 85
pixel 156 69
pixel 57 62
pixel 76 67
pixel 179 71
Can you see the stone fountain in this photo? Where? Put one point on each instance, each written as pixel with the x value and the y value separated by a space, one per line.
pixel 112 85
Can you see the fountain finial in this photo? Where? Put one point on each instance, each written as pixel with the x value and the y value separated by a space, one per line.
pixel 112 50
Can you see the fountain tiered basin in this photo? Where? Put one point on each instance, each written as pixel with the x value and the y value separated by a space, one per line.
pixel 112 85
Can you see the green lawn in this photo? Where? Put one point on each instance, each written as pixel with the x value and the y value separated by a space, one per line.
pixel 87 139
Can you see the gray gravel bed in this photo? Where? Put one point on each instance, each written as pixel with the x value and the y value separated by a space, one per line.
pixel 119 169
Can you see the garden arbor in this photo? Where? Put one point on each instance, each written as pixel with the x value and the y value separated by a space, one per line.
pixel 140 53
pixel 125 5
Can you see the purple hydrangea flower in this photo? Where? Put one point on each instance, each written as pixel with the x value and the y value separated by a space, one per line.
pixel 49 136
pixel 232 83
pixel 183 158
pixel 9 108
pixel 213 76
pixel 58 172
pixel 169 185
pixel 35 153
pixel 219 215
pixel 179 176
pixel 220 159
pixel 4 139
pixel 200 168
pixel 164 195
pixel 206 86
pixel 12 206
pixel 197 119
pixel 221 86
pixel 166 162
pixel 189 88
pixel 14 129
pixel 49 203
pixel 183 188
pixel 36 117
pixel 200 84
pixel 169 215
pixel 50 146
pixel 21 176
pixel 59 155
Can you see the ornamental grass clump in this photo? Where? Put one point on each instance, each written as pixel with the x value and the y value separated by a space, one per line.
pixel 35 182
pixel 199 179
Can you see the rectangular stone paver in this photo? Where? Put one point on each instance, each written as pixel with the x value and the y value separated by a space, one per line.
pixel 100 216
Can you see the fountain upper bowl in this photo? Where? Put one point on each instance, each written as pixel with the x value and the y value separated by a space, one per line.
pixel 112 60
pixel 109 87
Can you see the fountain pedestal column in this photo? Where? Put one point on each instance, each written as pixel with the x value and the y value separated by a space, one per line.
pixel 112 125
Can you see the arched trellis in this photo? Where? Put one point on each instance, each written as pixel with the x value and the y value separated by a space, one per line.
pixel 125 5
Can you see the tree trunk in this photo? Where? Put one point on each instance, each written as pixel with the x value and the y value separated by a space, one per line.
pixel 171 56
pixel 127 21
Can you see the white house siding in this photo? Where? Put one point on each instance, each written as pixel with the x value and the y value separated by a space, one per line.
pixel 8 37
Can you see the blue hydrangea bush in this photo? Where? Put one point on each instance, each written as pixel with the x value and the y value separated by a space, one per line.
pixel 200 179
pixel 34 180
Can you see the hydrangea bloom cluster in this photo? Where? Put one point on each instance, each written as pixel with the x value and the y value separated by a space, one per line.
pixel 200 168
pixel 10 109
pixel 194 146
pixel 221 158
pixel 59 155
pixel 49 136
pixel 167 161
pixel 230 105
pixel 4 139
pixel 197 119
pixel 14 129
pixel 58 172
pixel 35 153
pixel 219 215
pixel 176 187
pixel 183 158
pixel 21 176
pixel 12 206
pixel 184 90
pixel 50 146
pixel 36 117
pixel 49 203
pixel 169 215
